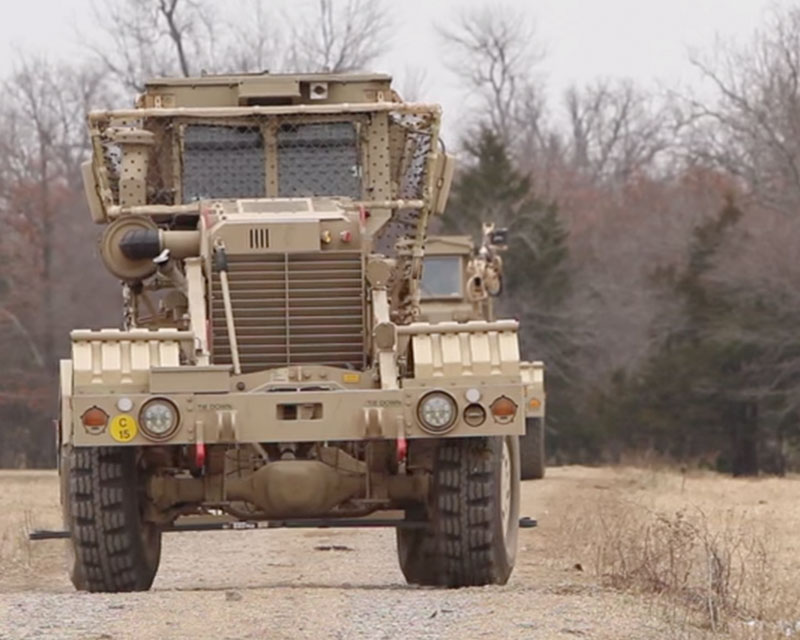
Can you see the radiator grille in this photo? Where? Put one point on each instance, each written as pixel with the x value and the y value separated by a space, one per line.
pixel 298 308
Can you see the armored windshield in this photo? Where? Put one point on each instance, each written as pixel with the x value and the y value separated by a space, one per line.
pixel 441 277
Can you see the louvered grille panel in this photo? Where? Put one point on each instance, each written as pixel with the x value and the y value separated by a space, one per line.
pixel 305 308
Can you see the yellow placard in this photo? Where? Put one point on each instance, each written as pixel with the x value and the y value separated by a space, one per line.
pixel 351 377
pixel 123 427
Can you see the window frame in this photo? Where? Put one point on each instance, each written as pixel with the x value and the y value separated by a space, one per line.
pixel 452 297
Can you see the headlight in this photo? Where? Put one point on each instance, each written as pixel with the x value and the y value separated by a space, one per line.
pixel 437 412
pixel 158 419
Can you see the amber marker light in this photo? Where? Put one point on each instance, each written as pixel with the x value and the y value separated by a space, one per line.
pixel 534 403
pixel 94 420
pixel 503 409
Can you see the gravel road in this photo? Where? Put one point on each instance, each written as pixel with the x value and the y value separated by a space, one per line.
pixel 303 584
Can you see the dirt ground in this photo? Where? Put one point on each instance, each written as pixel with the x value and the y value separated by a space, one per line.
pixel 346 584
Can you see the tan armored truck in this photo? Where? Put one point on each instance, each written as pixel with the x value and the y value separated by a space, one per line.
pixel 459 284
pixel 272 368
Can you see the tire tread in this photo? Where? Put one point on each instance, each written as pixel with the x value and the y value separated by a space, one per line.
pixel 105 522
pixel 531 449
pixel 460 547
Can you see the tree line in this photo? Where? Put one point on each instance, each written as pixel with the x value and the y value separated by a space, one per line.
pixel 653 242
pixel 653 233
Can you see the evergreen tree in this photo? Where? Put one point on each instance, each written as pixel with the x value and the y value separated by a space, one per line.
pixel 488 188
pixel 694 396
pixel 536 274
pixel 491 189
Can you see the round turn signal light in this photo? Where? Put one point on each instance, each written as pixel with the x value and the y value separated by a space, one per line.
pixel 95 417
pixel 94 420
pixel 503 409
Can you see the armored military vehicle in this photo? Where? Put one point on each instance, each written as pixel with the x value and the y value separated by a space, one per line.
pixel 459 284
pixel 271 368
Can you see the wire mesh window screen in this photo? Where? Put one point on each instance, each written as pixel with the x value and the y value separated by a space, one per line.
pixel 318 159
pixel 414 131
pixel 112 159
pixel 162 181
pixel 223 162
pixel 410 149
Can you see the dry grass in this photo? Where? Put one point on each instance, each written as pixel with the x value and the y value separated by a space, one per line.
pixel 713 553
pixel 29 500
pixel 702 555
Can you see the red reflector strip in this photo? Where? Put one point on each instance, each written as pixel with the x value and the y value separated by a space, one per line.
pixel 402 449
pixel 200 455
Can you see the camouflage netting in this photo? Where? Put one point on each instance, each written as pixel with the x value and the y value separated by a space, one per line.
pixel 276 156
pixel 414 137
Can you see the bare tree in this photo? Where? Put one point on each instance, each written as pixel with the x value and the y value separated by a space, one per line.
pixel 45 141
pixel 621 239
pixel 140 39
pixel 414 81
pixel 49 281
pixel 347 35
pixel 255 44
pixel 751 126
pixel 616 130
pixel 493 49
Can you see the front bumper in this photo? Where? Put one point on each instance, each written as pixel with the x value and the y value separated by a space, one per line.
pixel 293 416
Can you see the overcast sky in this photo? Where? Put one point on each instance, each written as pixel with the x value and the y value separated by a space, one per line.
pixel 646 40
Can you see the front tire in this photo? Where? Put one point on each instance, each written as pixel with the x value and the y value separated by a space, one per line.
pixel 471 539
pixel 532 453
pixel 113 548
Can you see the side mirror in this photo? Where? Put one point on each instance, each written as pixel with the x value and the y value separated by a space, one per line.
pixel 443 170
pixel 91 188
pixel 499 238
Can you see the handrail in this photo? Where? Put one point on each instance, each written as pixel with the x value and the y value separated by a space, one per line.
pixel 228 112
